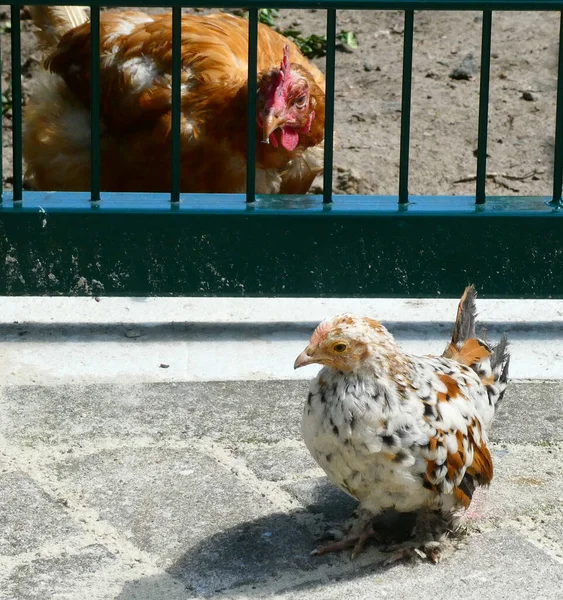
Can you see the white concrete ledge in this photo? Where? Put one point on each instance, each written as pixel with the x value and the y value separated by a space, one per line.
pixel 264 310
pixel 69 340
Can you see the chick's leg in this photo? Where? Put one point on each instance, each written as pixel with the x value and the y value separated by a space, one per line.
pixel 359 534
pixel 429 541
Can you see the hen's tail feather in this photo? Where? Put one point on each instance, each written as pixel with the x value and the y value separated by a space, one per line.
pixel 54 21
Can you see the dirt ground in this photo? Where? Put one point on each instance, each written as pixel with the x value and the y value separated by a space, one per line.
pixel 444 111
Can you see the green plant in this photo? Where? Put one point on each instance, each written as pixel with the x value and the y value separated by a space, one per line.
pixel 7 101
pixel 348 37
pixel 268 16
pixel 312 46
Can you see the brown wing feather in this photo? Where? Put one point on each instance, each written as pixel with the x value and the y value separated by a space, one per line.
pixel 452 387
pixel 470 353
pixel 471 459
pixel 467 461
pixel 481 469
pixel 464 499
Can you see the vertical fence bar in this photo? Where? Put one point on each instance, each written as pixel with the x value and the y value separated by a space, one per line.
pixel 329 104
pixel 406 108
pixel 176 102
pixel 558 153
pixel 16 102
pixel 1 133
pixel 481 181
pixel 95 103
pixel 251 114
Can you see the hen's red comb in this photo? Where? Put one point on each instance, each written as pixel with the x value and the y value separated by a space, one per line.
pixel 285 61
pixel 279 83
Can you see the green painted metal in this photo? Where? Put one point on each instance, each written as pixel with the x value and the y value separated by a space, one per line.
pixel 480 194
pixel 222 246
pixel 251 110
pixel 239 245
pixel 558 153
pixel 329 105
pixel 406 94
pixel 176 102
pixel 16 102
pixel 95 103
pixel 1 133
pixel 335 4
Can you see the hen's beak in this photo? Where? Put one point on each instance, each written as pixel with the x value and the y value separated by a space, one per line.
pixel 271 123
pixel 304 359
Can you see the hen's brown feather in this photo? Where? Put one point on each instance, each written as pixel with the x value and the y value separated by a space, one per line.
pixel 54 21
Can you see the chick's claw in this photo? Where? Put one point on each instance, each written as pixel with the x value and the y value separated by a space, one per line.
pixel 358 541
pixel 335 546
pixel 431 552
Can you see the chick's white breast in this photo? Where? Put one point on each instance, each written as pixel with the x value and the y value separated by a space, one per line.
pixel 358 436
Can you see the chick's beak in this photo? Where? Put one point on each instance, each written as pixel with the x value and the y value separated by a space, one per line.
pixel 304 359
pixel 271 123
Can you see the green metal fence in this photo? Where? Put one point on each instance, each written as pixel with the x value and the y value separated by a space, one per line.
pixel 232 245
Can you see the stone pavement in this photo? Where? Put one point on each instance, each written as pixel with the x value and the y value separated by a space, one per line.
pixel 169 491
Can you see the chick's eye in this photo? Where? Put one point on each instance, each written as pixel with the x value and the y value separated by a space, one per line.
pixel 340 347
pixel 301 101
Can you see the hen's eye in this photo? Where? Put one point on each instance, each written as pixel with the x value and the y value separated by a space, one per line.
pixel 340 347
pixel 300 102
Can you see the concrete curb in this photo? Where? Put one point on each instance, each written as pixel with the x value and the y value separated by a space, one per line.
pixel 66 340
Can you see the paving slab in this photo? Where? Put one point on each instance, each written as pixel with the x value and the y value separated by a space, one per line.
pixel 170 491
pixel 318 495
pixel 195 516
pixel 532 411
pixel 496 566
pixel 29 517
pixel 226 411
pixel 249 411
pixel 279 461
pixel 154 587
pixel 63 576
pixel 527 480
pixel 554 529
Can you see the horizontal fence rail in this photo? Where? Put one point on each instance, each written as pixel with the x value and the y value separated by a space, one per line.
pixel 504 5
pixel 229 244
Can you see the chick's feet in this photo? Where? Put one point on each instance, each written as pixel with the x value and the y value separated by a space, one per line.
pixel 431 551
pixel 430 538
pixel 357 537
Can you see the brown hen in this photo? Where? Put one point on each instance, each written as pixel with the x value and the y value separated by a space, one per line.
pixel 135 74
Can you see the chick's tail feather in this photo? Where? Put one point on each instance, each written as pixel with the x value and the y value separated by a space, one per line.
pixel 54 21
pixel 489 362
pixel 464 328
